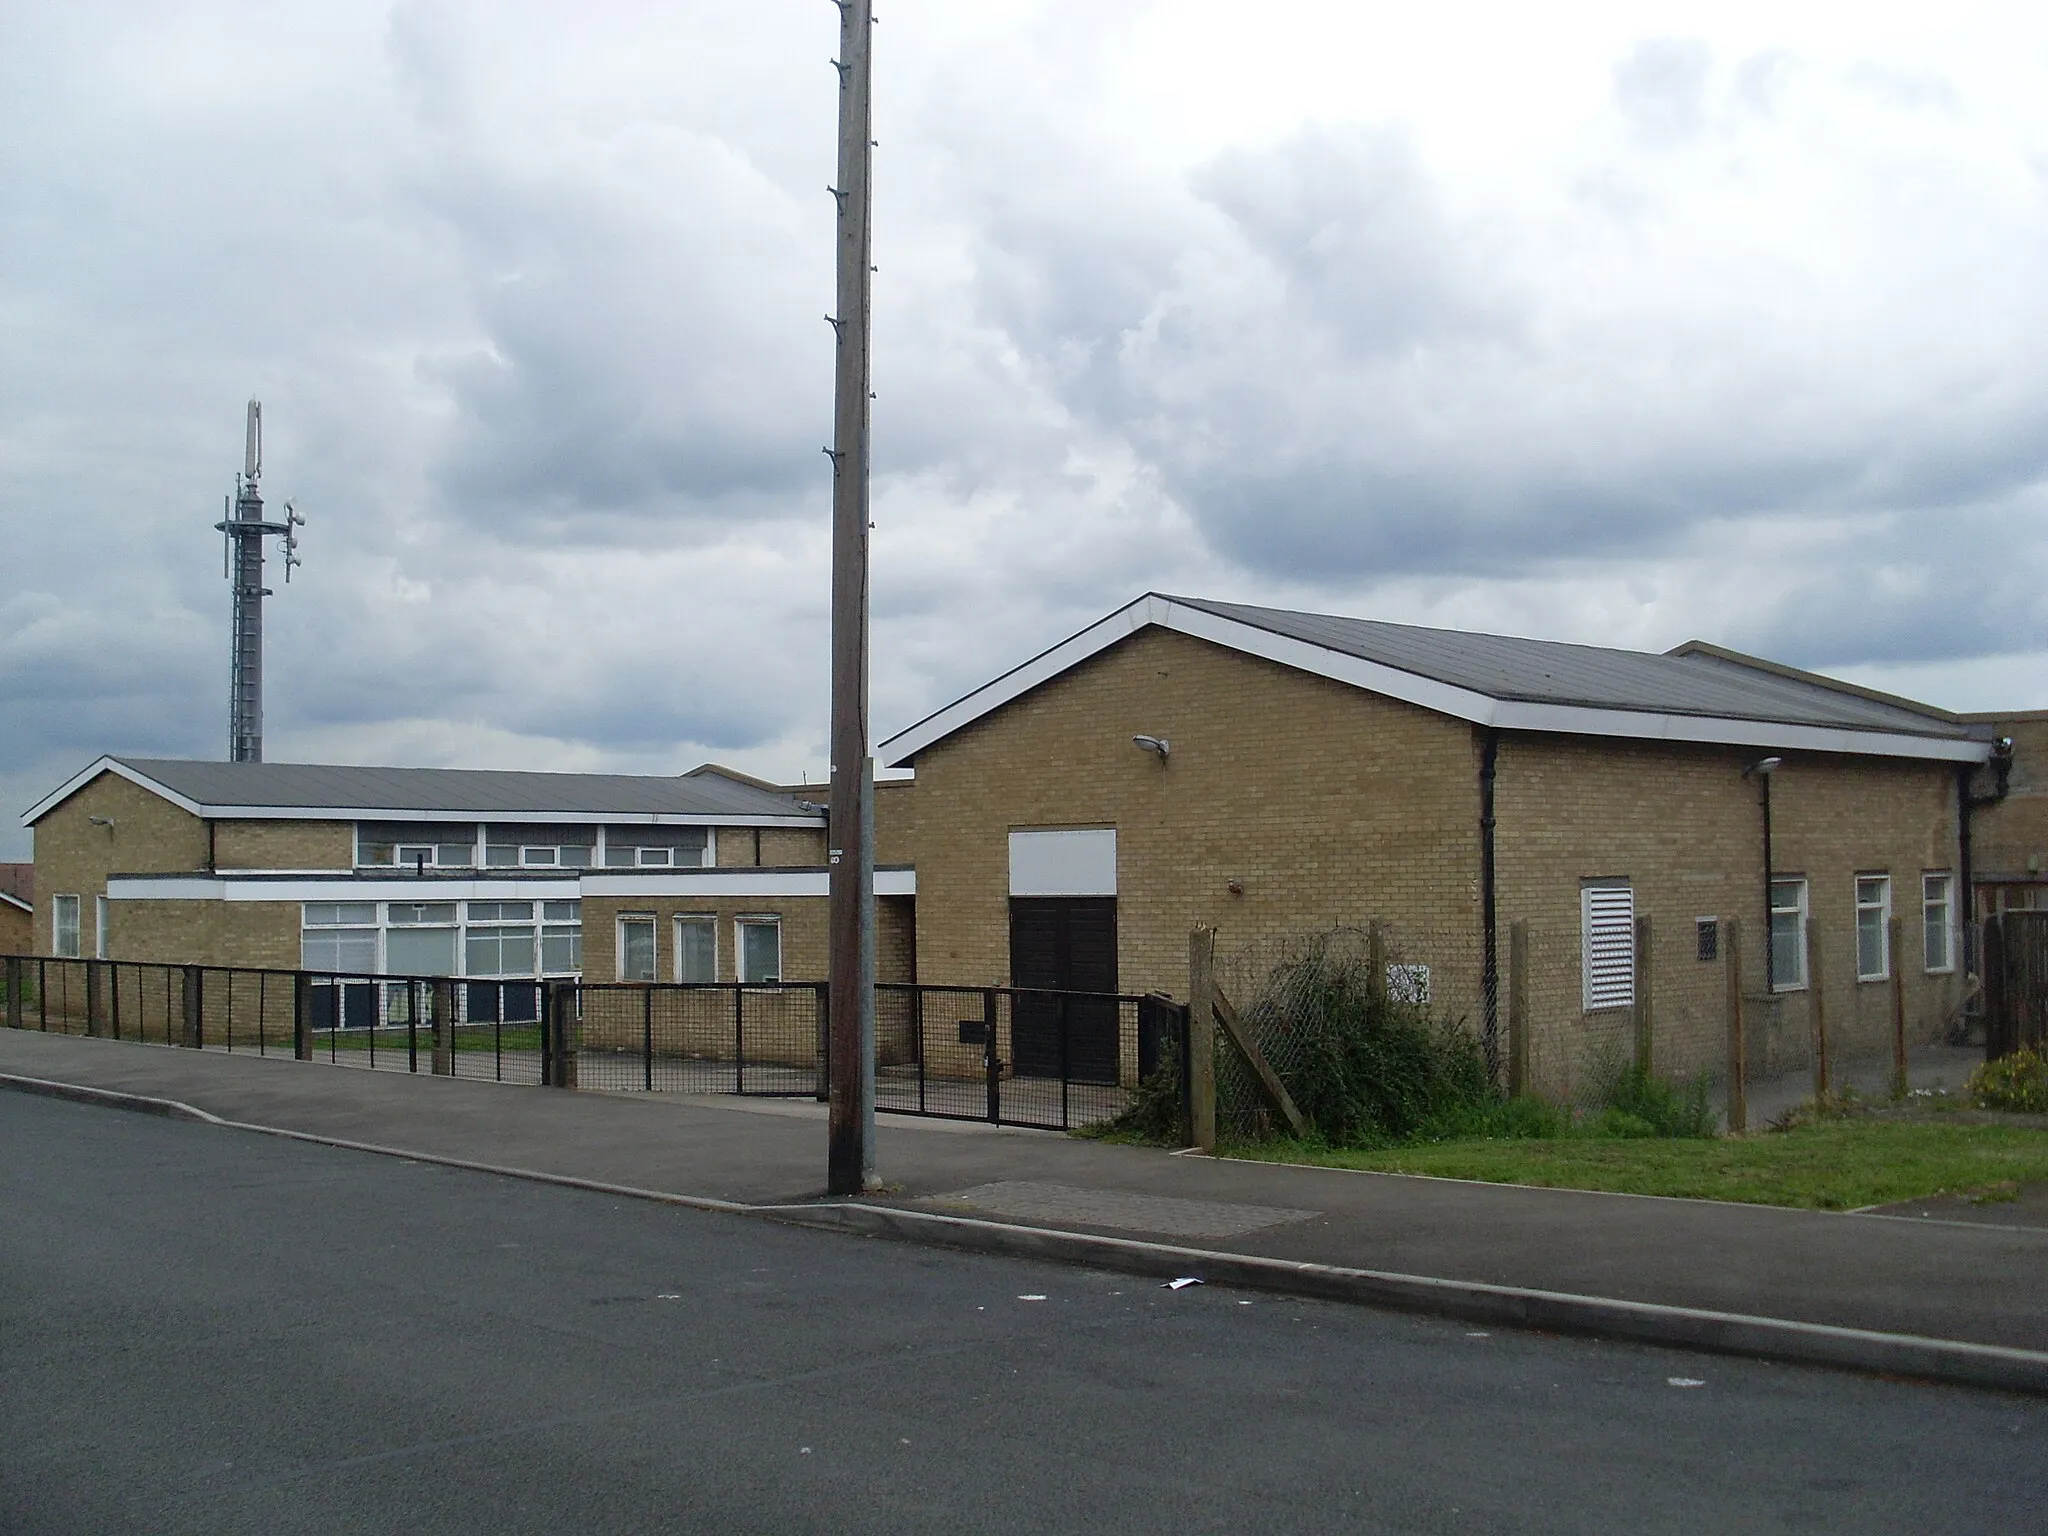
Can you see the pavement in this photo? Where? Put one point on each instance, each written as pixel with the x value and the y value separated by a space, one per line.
pixel 1956 1300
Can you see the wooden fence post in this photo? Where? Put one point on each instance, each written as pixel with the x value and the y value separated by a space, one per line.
pixel 444 1028
pixel 95 1015
pixel 1518 1007
pixel 1816 996
pixel 1201 1066
pixel 1738 1040
pixel 1646 1024
pixel 17 983
pixel 302 1016
pixel 1991 977
pixel 1376 962
pixel 1898 1009
pixel 568 1037
pixel 193 1033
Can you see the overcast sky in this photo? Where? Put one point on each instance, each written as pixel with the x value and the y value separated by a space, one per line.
pixel 1622 323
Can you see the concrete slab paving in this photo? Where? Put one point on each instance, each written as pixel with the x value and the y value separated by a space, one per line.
pixel 1972 1280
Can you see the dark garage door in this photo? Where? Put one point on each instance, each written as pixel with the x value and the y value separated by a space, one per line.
pixel 1064 944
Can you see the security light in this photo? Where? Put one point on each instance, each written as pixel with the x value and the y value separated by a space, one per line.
pixel 1762 768
pixel 102 821
pixel 1151 744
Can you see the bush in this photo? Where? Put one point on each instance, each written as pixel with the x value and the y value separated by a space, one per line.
pixel 2015 1082
pixel 1365 1068
pixel 1153 1112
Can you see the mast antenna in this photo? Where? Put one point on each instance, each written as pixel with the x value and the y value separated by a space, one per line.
pixel 243 530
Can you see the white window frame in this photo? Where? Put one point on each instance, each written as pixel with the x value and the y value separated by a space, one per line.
pixel 653 945
pixel 1780 983
pixel 1946 902
pixel 1607 945
pixel 59 946
pixel 1882 908
pixel 707 920
pixel 99 927
pixel 770 920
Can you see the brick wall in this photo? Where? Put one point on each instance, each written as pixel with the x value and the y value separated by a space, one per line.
pixel 322 845
pixel 1684 827
pixel 1328 806
pixel 2009 840
pixel 263 934
pixel 149 835
pixel 17 930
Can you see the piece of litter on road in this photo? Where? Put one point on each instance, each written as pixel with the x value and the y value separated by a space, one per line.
pixel 1478 1335
pixel 1243 1303
pixel 668 1295
pixel 1031 1298
pixel 1683 1381
pixel 805 1451
pixel 1183 1283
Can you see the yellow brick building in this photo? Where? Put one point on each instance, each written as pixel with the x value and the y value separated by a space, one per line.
pixel 1274 774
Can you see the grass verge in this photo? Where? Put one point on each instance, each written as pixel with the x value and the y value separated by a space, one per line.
pixel 1829 1166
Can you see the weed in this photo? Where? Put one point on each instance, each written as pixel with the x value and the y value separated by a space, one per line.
pixel 2015 1082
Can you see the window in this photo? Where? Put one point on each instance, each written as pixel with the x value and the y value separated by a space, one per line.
pixel 339 936
pixel 1788 935
pixel 99 927
pixel 539 847
pixel 64 926
pixel 760 948
pixel 1873 939
pixel 1937 922
pixel 421 938
pixel 499 941
pixel 696 949
pixel 655 847
pixel 561 938
pixel 1708 933
pixel 410 845
pixel 636 949
pixel 1607 924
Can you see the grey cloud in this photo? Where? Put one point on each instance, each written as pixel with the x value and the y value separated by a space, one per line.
pixel 1661 87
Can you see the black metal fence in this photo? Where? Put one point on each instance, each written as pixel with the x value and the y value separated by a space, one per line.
pixel 1011 1056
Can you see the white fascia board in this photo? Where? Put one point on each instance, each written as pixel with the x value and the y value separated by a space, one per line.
pixel 738 882
pixel 499 818
pixel 1045 666
pixel 314 888
pixel 1636 725
pixel 1409 687
pixel 78 781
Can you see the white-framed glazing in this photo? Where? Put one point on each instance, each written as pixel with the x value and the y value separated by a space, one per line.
pixel 1788 933
pixel 1873 933
pixel 1938 921
pixel 757 947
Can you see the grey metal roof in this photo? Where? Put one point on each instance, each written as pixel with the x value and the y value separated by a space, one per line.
pixel 467 792
pixel 1554 672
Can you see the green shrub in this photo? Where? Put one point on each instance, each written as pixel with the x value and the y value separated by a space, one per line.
pixel 1365 1069
pixel 1153 1112
pixel 2015 1082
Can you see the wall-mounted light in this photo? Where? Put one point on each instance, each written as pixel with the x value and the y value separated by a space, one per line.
pixel 102 821
pixel 1763 768
pixel 1157 744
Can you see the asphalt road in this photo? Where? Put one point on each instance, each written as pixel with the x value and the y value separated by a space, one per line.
pixel 212 1331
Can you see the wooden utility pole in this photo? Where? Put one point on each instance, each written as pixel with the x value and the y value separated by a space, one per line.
pixel 850 998
pixel 1738 1041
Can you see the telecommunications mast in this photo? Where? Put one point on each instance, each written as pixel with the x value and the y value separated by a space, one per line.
pixel 243 531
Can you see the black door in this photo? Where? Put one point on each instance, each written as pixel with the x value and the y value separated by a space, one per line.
pixel 1064 944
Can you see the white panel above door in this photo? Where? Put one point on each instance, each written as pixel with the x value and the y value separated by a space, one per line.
pixel 1068 862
